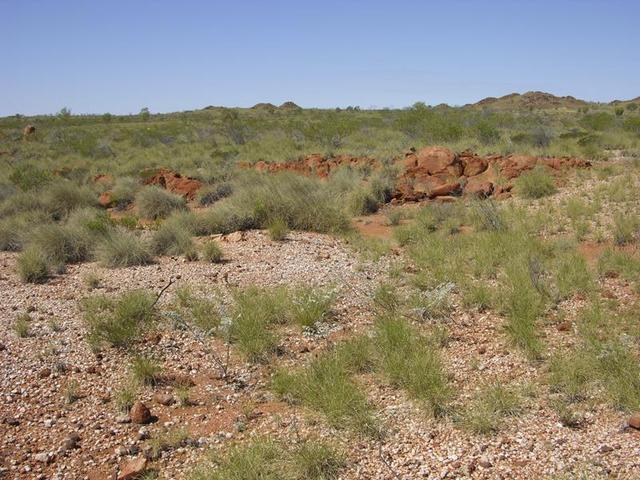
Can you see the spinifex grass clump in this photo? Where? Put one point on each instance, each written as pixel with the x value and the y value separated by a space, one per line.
pixel 266 459
pixel 412 362
pixel 118 321
pixel 123 248
pixel 155 202
pixel 326 386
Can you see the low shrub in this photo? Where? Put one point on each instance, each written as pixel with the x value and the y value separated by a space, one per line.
pixel 124 192
pixel 278 230
pixel 154 202
pixel 411 362
pixel 33 266
pixel 266 459
pixel 171 239
pixel 212 193
pixel 60 198
pixel 122 248
pixel 145 370
pixel 118 321
pixel 325 385
pixel 491 405
pixel 211 252
pixel 536 183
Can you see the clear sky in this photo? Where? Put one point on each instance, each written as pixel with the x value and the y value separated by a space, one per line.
pixel 118 56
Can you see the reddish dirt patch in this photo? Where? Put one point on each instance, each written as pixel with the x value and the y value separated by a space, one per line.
pixel 175 183
pixel 592 251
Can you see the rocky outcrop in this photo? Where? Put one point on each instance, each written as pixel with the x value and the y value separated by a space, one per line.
pixel 175 183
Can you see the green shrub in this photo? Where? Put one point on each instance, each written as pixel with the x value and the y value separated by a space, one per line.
pixel 200 311
pixel 278 230
pixel 265 459
pixel 411 362
pixel 29 177
pixel 145 370
pixel 536 183
pixel 22 325
pixel 124 192
pixel 211 252
pixel 486 412
pixel 16 230
pixel 212 193
pixel 60 198
pixel 258 199
pixel 122 248
pixel 33 266
pixel 325 386
pixel 171 239
pixel 625 228
pixel 118 321
pixel 155 202
pixel 255 312
pixel 309 306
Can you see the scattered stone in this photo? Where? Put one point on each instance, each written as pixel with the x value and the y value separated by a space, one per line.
pixel 140 413
pixel 71 442
pixel 132 468
pixel 124 418
pixel 162 398
pixel 605 449
pixel 13 422
pixel 634 421
pixel 43 457
pixel 484 462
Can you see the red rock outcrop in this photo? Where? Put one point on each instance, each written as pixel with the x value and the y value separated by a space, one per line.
pixel 434 172
pixel 175 183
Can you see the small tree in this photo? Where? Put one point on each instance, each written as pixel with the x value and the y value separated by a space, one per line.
pixel 145 114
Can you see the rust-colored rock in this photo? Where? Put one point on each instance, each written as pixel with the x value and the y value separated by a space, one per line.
pixel 103 178
pixel 634 421
pixel 28 131
pixel 435 172
pixel 472 164
pixel 316 164
pixel 106 199
pixel 434 161
pixel 133 469
pixel 175 183
pixel 140 414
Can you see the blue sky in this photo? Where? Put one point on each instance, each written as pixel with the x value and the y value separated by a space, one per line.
pixel 119 56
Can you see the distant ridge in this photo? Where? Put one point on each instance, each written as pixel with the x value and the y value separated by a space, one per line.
pixel 538 101
pixel 530 100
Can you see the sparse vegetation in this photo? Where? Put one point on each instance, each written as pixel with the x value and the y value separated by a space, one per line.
pixel 145 370
pixel 118 321
pixel 154 202
pixel 263 458
pixel 536 183
pixel 211 252
pixel 22 325
pixel 122 248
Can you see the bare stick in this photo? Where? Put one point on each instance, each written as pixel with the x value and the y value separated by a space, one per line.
pixel 386 463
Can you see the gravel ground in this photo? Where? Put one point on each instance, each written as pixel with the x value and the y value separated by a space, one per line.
pixel 42 437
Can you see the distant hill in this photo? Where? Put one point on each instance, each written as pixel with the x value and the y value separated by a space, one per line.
pixel 530 100
pixel 626 102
